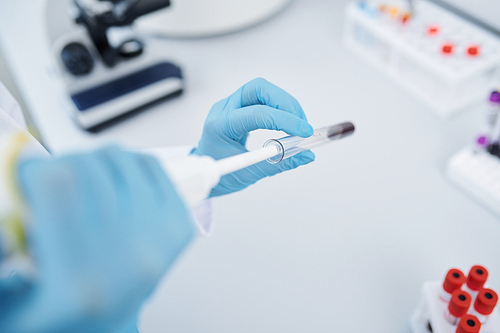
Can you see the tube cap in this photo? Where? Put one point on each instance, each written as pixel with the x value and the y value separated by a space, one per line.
pixel 486 301
pixel 468 324
pixel 432 30
pixel 495 97
pixel 477 277
pixel 454 280
pixel 459 303
pixel 473 50
pixel 447 48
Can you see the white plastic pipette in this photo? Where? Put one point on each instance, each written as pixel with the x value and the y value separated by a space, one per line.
pixel 195 176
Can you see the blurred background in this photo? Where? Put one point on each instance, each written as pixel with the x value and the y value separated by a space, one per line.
pixel 342 245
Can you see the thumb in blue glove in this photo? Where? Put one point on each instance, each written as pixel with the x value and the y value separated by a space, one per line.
pixel 256 105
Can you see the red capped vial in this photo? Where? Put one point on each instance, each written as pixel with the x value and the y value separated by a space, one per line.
pixel 432 30
pixel 459 305
pixel 454 280
pixel 447 48
pixel 473 51
pixel 468 324
pixel 485 303
pixel 406 17
pixel 476 279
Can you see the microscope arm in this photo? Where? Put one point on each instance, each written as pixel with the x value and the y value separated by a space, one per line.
pixel 121 13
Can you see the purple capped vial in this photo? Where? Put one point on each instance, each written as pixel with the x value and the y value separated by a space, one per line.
pixel 495 97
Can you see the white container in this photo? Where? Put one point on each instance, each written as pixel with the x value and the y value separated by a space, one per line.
pixel 431 314
pixel 414 57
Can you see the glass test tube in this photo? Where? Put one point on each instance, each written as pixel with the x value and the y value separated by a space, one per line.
pixel 494 132
pixel 486 138
pixel 291 145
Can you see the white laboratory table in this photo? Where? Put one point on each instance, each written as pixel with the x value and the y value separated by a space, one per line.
pixel 341 245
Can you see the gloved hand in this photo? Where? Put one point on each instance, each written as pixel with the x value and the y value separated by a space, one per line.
pixel 256 105
pixel 104 227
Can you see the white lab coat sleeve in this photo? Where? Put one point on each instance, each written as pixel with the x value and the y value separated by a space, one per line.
pixel 202 215
pixel 13 133
pixel 11 107
pixel 11 124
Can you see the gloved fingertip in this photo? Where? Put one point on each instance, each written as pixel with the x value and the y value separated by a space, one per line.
pixel 305 129
pixel 196 151
pixel 307 157
pixel 293 162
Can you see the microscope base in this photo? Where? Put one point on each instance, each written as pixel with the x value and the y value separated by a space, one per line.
pixel 102 95
pixel 102 105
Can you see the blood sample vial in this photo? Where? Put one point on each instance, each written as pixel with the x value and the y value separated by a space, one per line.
pixel 459 305
pixel 447 48
pixel 454 280
pixel 476 279
pixel 406 17
pixel 468 324
pixel 485 303
pixel 432 30
pixel 473 50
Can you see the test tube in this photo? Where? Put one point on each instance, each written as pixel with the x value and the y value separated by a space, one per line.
pixel 485 303
pixel 468 324
pixel 476 279
pixel 494 145
pixel 291 145
pixel 459 305
pixel 454 280
pixel 486 136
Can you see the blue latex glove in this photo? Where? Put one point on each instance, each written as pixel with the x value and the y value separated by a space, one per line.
pixel 256 105
pixel 104 227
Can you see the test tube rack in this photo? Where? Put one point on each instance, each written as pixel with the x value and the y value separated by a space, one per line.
pixel 477 172
pixel 446 61
pixel 429 316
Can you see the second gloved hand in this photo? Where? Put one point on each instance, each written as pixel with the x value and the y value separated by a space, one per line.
pixel 105 227
pixel 256 105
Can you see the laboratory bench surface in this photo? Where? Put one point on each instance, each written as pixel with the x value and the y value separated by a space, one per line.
pixel 341 245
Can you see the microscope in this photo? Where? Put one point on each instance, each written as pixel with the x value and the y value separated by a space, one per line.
pixel 108 79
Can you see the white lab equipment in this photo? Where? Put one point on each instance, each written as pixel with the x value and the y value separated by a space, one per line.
pixel 482 12
pixel 195 176
pixel 478 174
pixel 476 169
pixel 430 314
pixel 107 69
pixel 198 18
pixel 446 61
